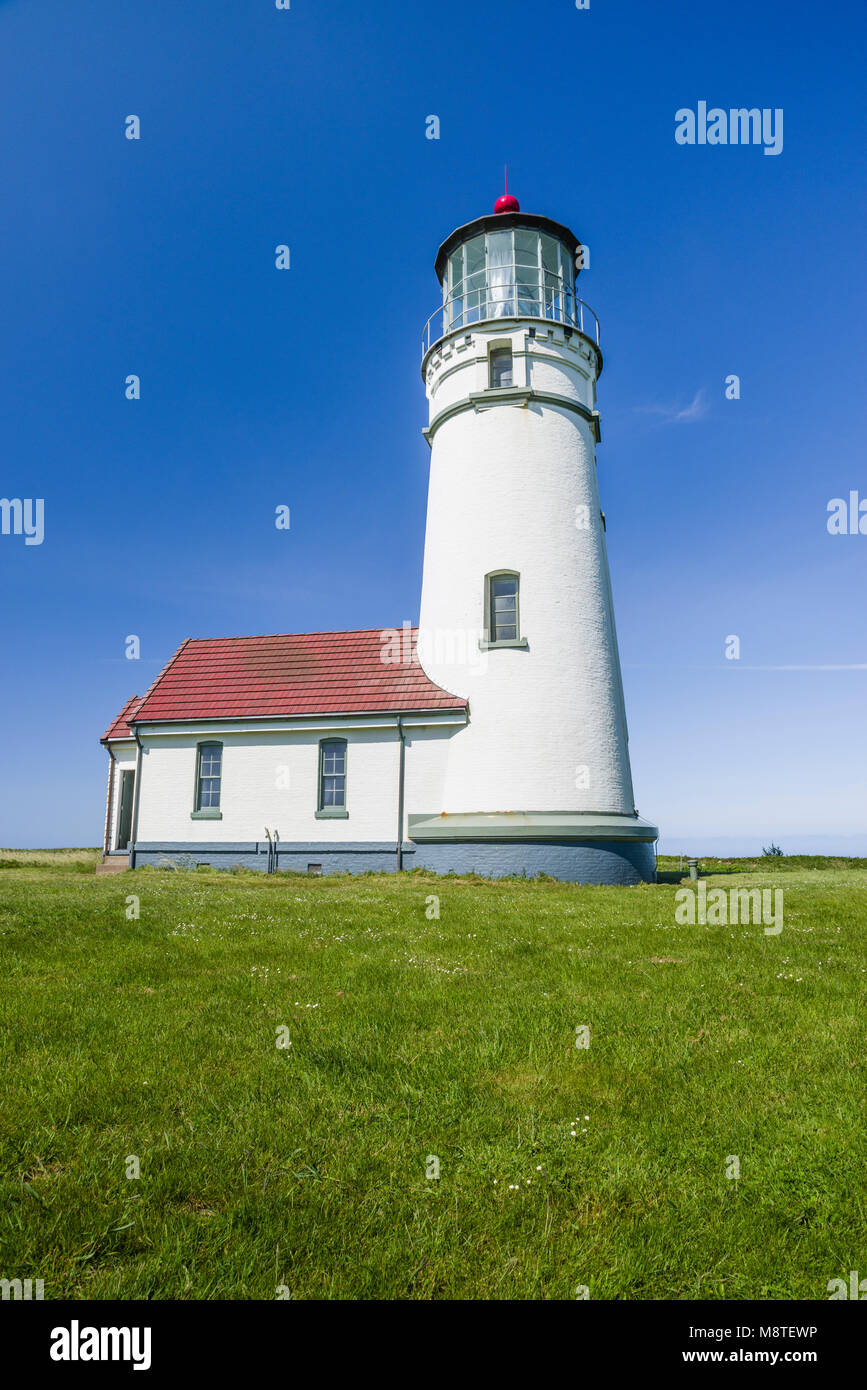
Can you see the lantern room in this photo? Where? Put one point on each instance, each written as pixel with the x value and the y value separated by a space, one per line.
pixel 507 265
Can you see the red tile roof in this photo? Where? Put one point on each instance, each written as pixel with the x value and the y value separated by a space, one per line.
pixel 119 728
pixel 295 674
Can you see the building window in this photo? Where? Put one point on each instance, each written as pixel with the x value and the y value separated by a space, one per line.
pixel 209 772
pixel 501 609
pixel 501 366
pixel 332 777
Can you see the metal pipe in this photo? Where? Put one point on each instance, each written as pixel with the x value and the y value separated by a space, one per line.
pixel 400 781
pixel 135 800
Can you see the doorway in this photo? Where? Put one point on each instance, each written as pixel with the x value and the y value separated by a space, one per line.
pixel 124 820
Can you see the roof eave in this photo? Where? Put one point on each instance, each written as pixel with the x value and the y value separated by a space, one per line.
pixel 494 221
pixel 392 712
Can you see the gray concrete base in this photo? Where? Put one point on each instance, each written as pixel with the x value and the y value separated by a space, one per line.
pixel 593 861
pixel 362 857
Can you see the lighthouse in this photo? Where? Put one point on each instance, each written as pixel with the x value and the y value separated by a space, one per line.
pixel 517 616
pixel 490 740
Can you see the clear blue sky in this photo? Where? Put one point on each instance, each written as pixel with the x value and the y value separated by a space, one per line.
pixel 262 387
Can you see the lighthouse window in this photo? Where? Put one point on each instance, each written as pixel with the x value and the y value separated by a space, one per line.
pixel 474 279
pixel 456 270
pixel 501 275
pixel 550 259
pixel 527 271
pixel 551 279
pixel 455 305
pixel 501 366
pixel 502 606
pixel 526 247
pixel 332 777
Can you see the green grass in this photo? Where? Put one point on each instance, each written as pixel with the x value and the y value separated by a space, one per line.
pixel 75 860
pixel 414 1036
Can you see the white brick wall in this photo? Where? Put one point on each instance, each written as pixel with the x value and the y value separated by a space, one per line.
pixel 505 486
pixel 254 794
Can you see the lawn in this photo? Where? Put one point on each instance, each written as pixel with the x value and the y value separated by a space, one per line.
pixel 428 1019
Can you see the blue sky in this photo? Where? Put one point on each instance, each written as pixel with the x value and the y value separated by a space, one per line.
pixel 262 387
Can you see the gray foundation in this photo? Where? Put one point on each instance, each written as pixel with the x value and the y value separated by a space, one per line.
pixel 594 861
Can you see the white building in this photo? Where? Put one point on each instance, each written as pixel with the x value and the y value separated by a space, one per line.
pixel 494 737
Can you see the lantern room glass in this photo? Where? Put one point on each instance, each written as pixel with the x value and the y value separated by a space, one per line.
pixel 503 274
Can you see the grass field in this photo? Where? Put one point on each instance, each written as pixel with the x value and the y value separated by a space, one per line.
pixel 413 1037
pixel 78 860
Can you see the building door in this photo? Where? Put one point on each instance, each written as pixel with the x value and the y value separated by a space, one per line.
pixel 124 823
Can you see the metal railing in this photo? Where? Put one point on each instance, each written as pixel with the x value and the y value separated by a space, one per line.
pixel 509 299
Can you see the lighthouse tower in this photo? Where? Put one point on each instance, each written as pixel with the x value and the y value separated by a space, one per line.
pixel 516 608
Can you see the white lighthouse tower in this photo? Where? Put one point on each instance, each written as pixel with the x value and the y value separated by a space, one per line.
pixel 516 609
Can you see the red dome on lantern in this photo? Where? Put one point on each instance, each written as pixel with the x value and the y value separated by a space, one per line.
pixel 507 202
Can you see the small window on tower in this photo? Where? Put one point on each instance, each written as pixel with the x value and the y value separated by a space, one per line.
pixel 501 366
pixel 501 604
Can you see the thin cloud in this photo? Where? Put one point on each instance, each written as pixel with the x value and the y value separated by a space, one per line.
pixel 677 414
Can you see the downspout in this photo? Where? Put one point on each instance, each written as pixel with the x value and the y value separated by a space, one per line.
pixel 400 782
pixel 108 804
pixel 134 835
